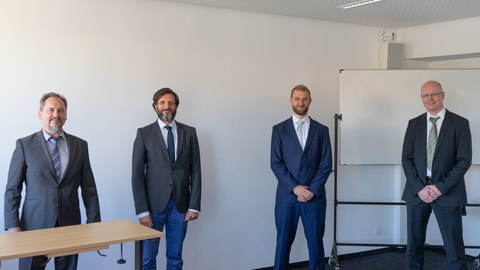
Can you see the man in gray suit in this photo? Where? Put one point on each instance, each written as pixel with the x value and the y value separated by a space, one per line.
pixel 52 165
pixel 437 152
pixel 166 179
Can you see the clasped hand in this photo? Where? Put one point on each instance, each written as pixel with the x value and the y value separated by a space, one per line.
pixel 303 194
pixel 429 193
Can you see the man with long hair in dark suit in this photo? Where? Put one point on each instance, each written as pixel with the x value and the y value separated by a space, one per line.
pixel 166 179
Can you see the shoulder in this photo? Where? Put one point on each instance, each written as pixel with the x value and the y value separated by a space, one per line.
pixel 318 125
pixel 284 123
pixel 420 118
pixel 149 127
pixel 185 127
pixel 74 139
pixel 31 138
pixel 455 117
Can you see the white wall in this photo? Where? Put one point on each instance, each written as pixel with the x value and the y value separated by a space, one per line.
pixel 441 39
pixel 233 71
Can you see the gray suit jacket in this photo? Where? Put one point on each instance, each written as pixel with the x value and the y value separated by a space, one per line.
pixel 155 179
pixel 48 201
pixel 453 157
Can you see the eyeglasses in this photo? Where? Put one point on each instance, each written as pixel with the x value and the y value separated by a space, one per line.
pixel 432 95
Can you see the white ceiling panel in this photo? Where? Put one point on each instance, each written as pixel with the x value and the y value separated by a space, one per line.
pixel 386 13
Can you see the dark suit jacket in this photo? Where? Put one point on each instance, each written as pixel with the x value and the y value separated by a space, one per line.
pixel 293 167
pixel 46 200
pixel 453 157
pixel 155 179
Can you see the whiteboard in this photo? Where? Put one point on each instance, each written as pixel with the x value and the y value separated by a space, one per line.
pixel 376 105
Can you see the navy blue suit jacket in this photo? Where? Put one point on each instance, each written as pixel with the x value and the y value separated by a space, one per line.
pixel 453 157
pixel 293 167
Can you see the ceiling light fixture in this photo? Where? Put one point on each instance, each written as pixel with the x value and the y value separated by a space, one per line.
pixel 358 3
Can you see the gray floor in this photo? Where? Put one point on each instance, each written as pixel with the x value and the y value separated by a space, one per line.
pixel 434 260
pixel 386 259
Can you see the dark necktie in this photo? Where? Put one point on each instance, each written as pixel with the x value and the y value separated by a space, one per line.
pixel 170 144
pixel 432 142
pixel 55 156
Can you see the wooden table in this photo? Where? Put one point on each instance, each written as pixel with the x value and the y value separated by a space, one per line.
pixel 62 241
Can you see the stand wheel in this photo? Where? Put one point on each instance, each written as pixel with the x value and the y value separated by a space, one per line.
pixel 331 261
pixel 476 263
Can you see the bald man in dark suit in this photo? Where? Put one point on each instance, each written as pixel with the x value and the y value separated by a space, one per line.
pixel 51 198
pixel 435 182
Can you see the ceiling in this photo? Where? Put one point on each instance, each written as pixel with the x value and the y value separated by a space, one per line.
pixel 386 13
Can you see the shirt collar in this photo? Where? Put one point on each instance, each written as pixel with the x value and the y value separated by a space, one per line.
pixel 173 124
pixel 295 119
pixel 441 114
pixel 47 136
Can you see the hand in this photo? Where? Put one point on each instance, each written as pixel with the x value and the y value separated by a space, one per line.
pixel 427 194
pixel 435 190
pixel 303 194
pixel 14 230
pixel 191 215
pixel 146 221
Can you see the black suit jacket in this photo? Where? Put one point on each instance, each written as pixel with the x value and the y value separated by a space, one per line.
pixel 47 200
pixel 453 157
pixel 155 179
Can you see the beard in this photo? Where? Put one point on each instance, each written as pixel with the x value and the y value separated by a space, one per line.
pixel 166 118
pixel 300 111
pixel 54 128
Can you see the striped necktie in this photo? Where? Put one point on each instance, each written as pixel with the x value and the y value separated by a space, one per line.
pixel 432 142
pixel 55 156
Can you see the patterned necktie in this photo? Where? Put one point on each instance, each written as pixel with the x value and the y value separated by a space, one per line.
pixel 300 133
pixel 55 156
pixel 432 142
pixel 170 144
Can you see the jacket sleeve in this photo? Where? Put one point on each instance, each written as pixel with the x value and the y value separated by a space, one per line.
pixel 13 190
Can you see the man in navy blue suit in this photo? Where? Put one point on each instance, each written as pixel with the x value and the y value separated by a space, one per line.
pixel 301 159
pixel 436 181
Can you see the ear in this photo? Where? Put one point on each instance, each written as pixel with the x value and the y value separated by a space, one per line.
pixel 39 114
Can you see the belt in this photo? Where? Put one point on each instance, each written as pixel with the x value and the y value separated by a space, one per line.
pixel 428 180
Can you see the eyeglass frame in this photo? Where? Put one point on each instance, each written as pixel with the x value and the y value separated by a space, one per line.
pixel 432 95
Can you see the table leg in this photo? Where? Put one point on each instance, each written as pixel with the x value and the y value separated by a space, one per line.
pixel 138 255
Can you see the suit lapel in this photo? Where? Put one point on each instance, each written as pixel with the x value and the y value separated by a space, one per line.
pixel 40 140
pixel 72 150
pixel 311 133
pixel 159 142
pixel 180 138
pixel 290 132
pixel 443 131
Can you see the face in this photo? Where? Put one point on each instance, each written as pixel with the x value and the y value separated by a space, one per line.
pixel 166 108
pixel 53 115
pixel 432 97
pixel 300 101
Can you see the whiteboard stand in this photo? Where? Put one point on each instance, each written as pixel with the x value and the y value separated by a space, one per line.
pixel 333 260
